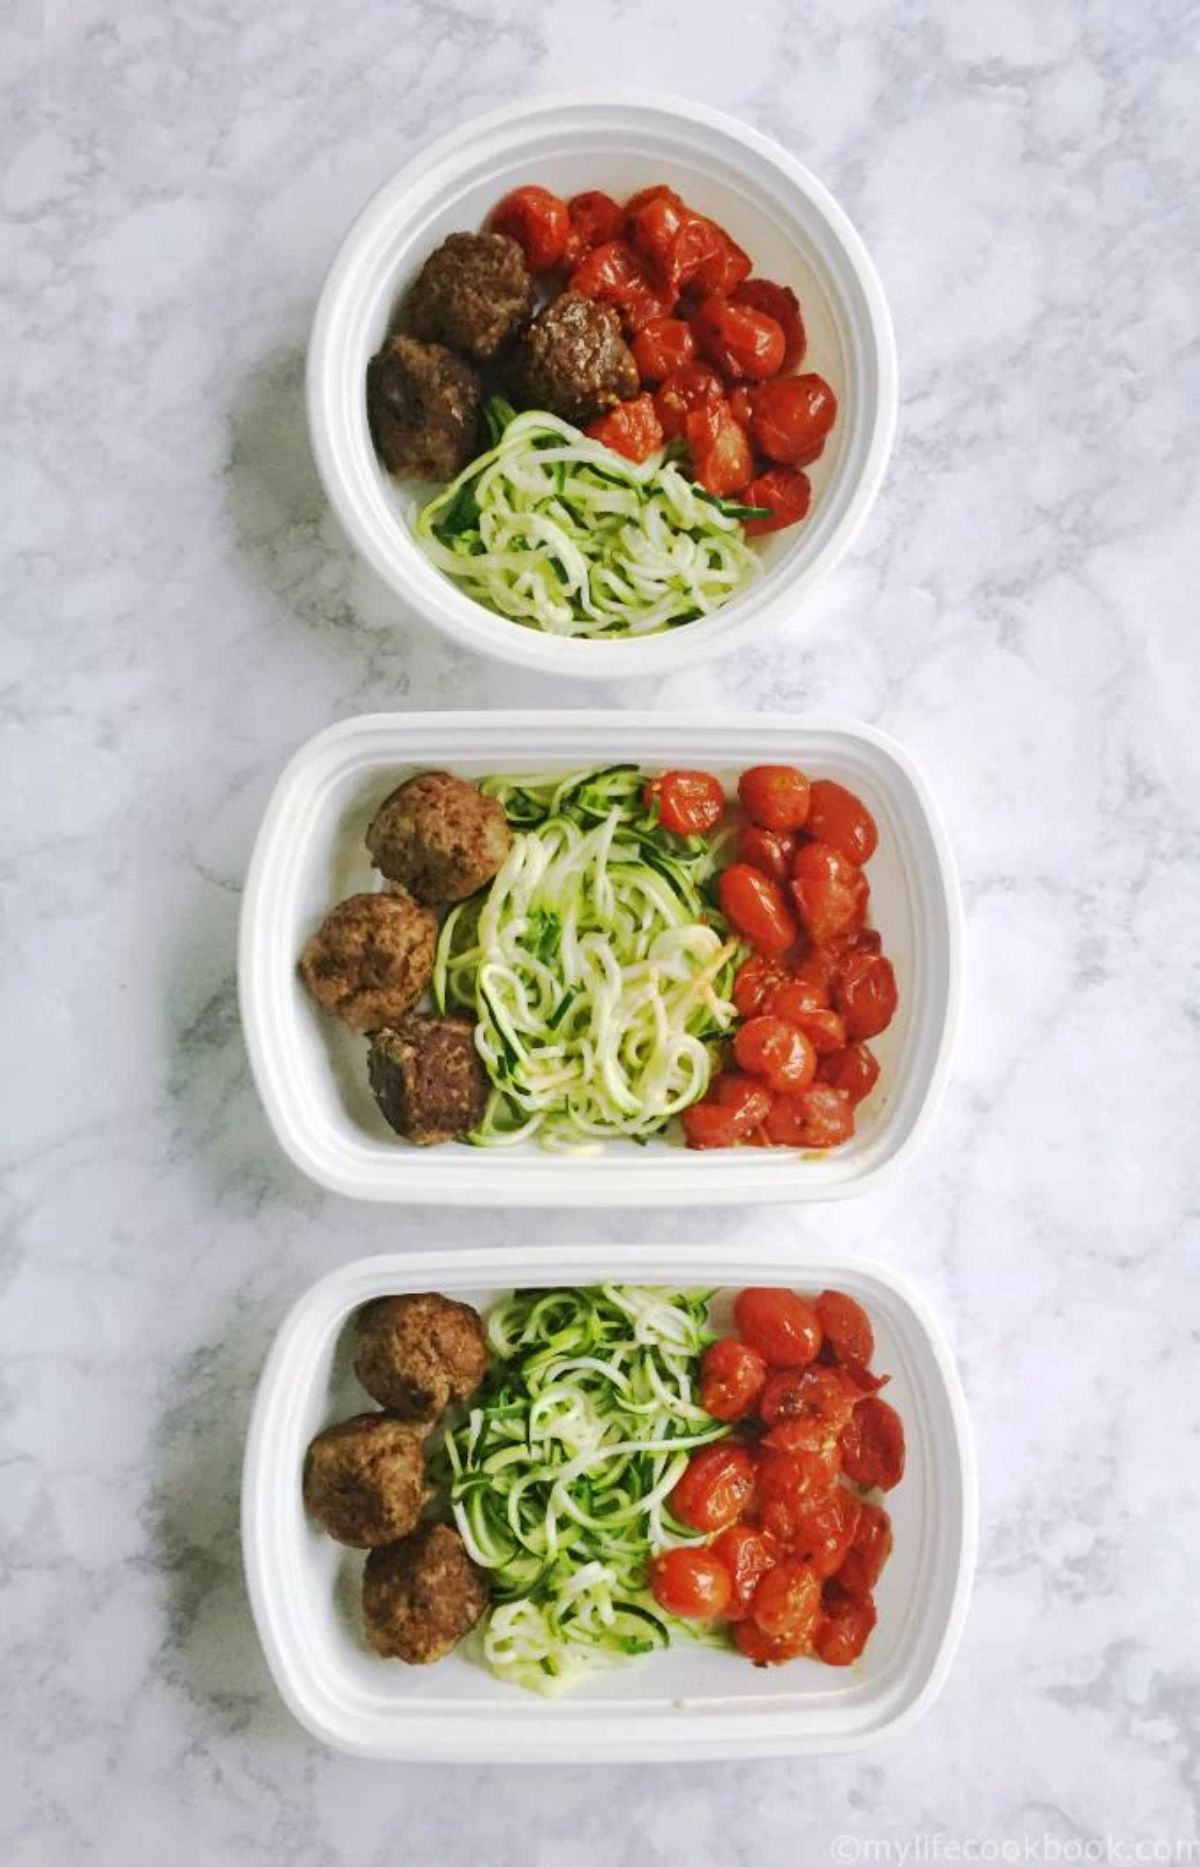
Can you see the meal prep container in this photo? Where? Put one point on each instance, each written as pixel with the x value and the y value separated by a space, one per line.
pixel 789 224
pixel 688 1702
pixel 310 853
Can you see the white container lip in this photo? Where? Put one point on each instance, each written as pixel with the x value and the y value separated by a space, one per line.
pixel 364 277
pixel 708 1705
pixel 340 1142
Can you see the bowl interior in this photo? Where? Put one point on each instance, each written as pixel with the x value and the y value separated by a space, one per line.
pixel 312 1070
pixel 312 1585
pixel 793 236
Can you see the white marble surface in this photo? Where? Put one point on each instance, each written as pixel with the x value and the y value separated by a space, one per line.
pixel 180 612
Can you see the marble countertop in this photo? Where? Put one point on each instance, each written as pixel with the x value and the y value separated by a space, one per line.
pixel 180 612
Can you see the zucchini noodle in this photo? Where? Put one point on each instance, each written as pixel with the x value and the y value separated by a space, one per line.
pixel 560 1473
pixel 559 532
pixel 595 966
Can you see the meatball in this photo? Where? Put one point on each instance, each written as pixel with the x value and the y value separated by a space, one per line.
pixel 439 836
pixel 423 409
pixel 421 1596
pixel 473 293
pixel 573 360
pixel 364 1480
pixel 371 959
pixel 414 1354
pixel 427 1078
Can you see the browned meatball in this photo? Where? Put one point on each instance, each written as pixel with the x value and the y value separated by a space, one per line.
pixel 364 1480
pixel 423 409
pixel 414 1354
pixel 573 360
pixel 439 836
pixel 427 1078
pixel 473 293
pixel 421 1596
pixel 371 959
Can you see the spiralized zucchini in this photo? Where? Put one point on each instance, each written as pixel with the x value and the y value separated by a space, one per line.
pixel 559 532
pixel 596 966
pixel 560 1474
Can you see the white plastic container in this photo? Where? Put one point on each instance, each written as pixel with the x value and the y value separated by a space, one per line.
pixel 311 1071
pixel 687 1703
pixel 788 223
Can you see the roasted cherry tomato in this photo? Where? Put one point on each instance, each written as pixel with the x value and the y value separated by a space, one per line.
pixel 786 494
pixel 815 1398
pixel 818 971
pixel 824 1029
pixel 843 1626
pixel 689 803
pixel 792 416
pixel 708 1124
pixel 719 448
pixel 748 1100
pixel 822 1530
pixel 779 302
pixel 872 1445
pixel 865 994
pixel 732 1375
pixel 756 907
pixel 794 1475
pixel 769 850
pixel 864 1560
pixel 738 339
pixel 691 1582
pixel 846 1327
pixel 782 1326
pixel 787 1601
pixel 754 982
pixel 594 218
pixel 651 193
pixel 728 268
pixel 682 391
pixel 663 345
pixel 614 274
pixel 717 1488
pixel 855 1070
pixel 675 241
pixel 746 1554
pixel 775 796
pixel 538 221
pixel 830 894
pixel 821 1116
pixel 631 428
pixel 837 817
pixel 759 1648
pixel 777 1052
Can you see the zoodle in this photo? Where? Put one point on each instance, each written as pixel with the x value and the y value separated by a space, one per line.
pixel 596 966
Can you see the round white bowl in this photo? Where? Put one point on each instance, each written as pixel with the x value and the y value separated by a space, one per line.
pixel 789 224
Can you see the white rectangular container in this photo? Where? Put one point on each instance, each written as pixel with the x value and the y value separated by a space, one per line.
pixel 311 1071
pixel 690 1702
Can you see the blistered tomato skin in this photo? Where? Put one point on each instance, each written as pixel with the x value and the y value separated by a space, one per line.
pixel 820 1116
pixel 754 982
pixel 746 1553
pixel 748 1100
pixel 739 340
pixel 864 1561
pixel 843 1627
pixel 661 346
pixel 732 1376
pixel 707 1124
pixel 690 803
pixel 836 816
pixel 787 1601
pixel 772 851
pixel 830 893
pixel 691 1583
pixel 631 429
pixel 847 1327
pixel 776 797
pixel 854 1070
pixel 792 416
pixel 779 302
pixel 717 1487
pixel 872 1445
pixel 783 1327
pixel 865 994
pixel 538 221
pixel 683 391
pixel 593 218
pixel 819 1399
pixel 753 904
pixel 777 1052
pixel 785 492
